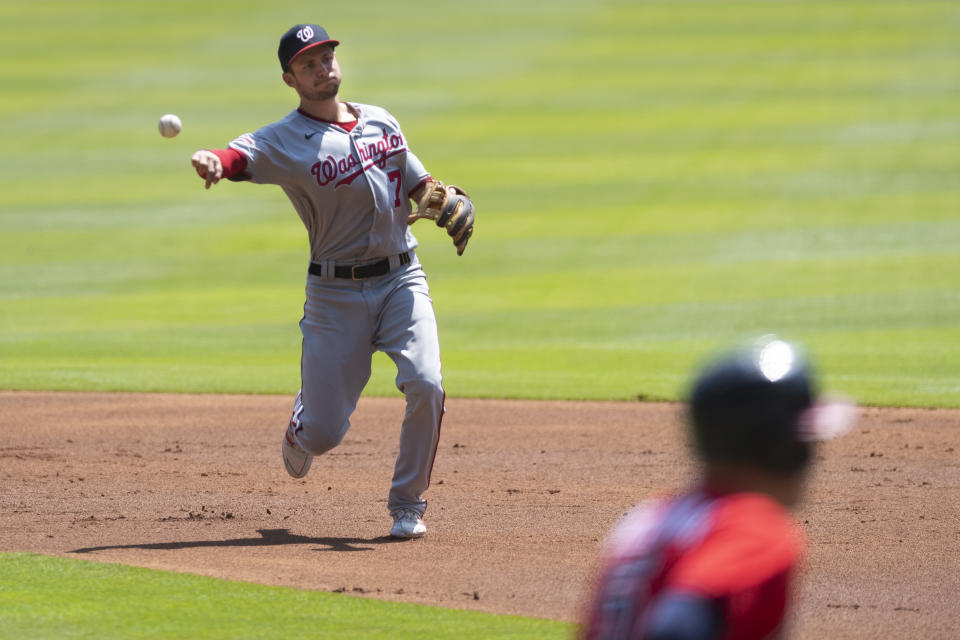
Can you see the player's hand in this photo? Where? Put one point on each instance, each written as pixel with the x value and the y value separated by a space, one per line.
pixel 208 166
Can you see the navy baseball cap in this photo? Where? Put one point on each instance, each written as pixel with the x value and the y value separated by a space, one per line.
pixel 298 39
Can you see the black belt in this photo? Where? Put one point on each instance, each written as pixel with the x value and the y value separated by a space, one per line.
pixel 359 272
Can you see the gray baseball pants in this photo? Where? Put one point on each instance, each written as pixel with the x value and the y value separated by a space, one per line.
pixel 344 322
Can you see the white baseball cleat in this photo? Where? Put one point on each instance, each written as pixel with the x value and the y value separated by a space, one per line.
pixel 407 523
pixel 295 459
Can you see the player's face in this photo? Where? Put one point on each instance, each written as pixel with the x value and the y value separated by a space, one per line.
pixel 315 74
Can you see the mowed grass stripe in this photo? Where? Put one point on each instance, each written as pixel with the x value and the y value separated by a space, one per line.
pixel 542 359
pixel 43 597
pixel 921 248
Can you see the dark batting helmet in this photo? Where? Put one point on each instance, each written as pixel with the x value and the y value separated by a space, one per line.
pixel 757 405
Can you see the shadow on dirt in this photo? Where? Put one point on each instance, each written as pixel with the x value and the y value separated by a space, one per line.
pixel 268 538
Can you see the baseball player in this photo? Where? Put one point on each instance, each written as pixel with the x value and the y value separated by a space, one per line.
pixel 350 175
pixel 717 561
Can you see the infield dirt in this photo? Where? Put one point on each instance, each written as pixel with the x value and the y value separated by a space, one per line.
pixel 522 495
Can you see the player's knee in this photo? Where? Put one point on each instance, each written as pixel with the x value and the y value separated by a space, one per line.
pixel 424 389
pixel 317 439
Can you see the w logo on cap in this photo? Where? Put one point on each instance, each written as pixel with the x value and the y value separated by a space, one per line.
pixel 298 39
pixel 305 34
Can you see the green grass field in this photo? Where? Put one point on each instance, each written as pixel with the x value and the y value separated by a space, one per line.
pixel 653 180
pixel 54 598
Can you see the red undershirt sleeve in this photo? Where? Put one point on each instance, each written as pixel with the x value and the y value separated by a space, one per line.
pixel 234 163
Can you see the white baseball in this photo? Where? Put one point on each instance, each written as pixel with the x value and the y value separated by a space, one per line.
pixel 169 125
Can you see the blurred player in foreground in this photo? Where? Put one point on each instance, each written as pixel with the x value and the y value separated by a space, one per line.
pixel 717 561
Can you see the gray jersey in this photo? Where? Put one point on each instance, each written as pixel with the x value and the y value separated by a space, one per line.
pixel 351 189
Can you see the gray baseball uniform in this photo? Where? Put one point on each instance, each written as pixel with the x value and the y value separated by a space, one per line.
pixel 351 186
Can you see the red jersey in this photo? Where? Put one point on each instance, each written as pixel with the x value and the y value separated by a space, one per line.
pixel 738 550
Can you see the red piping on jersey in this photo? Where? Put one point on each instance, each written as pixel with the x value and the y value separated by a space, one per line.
pixel 419 184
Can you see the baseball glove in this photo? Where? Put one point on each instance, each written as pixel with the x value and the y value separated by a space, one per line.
pixel 450 208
